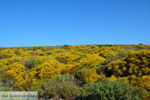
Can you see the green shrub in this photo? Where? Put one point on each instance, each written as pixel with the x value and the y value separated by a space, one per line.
pixel 109 90
pixel 62 86
pixel 5 86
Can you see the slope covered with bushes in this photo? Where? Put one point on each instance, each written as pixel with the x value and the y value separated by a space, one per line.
pixel 84 72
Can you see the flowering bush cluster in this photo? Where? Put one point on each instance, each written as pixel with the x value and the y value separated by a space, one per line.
pixel 102 72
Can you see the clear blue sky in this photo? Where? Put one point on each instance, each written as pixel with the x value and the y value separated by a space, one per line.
pixel 74 22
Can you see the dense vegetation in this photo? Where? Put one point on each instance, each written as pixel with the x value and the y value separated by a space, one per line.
pixel 85 72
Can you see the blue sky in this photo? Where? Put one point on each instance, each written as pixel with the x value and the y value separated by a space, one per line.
pixel 74 22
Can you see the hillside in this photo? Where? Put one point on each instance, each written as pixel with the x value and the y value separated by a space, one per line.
pixel 82 72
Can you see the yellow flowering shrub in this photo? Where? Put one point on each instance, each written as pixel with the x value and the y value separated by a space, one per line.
pixel 16 73
pixel 91 60
pixel 90 75
pixel 134 64
pixel 49 69
pixel 145 82
pixel 67 57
